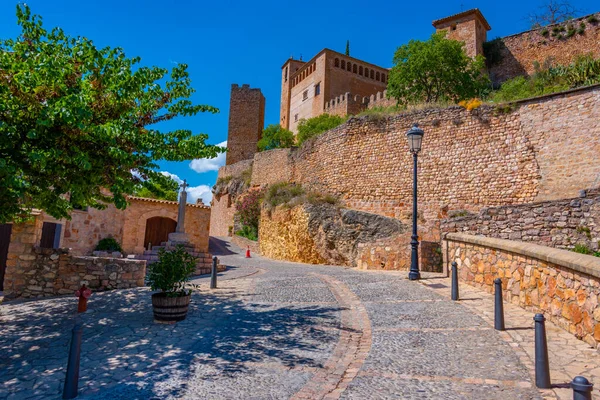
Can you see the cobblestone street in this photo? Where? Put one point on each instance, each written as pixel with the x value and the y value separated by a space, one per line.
pixel 278 330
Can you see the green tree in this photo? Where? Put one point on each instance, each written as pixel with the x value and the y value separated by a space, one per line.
pixel 165 189
pixel 275 137
pixel 311 127
pixel 76 120
pixel 434 70
pixel 347 47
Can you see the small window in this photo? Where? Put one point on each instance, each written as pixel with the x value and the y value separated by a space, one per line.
pixel 305 95
pixel 367 72
pixel 50 235
pixel 377 76
pixel 317 89
pixel 286 74
pixel 343 64
pixel 360 70
pixel 372 74
pixel 453 27
pixel 337 62
pixel 354 69
pixel 349 66
pixel 296 118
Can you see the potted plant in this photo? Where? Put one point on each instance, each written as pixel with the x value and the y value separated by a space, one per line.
pixel 170 275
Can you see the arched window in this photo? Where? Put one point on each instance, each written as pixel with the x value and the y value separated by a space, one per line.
pixel 367 72
pixel 337 62
pixel 349 66
pixel 372 74
pixel 354 68
pixel 343 64
pixel 383 78
pixel 360 70
pixel 377 76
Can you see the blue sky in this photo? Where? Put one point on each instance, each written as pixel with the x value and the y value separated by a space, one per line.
pixel 226 42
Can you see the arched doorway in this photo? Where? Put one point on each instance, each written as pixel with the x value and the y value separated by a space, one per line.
pixel 157 230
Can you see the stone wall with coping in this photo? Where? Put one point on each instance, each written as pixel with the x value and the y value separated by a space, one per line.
pixel 561 284
pixel 244 243
pixel 51 272
pixel 263 172
pixel 559 223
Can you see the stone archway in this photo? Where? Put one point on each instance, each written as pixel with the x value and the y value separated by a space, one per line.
pixel 140 233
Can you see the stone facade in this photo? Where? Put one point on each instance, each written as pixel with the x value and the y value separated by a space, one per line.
pixel 515 55
pixel 246 122
pixel 561 284
pixel 309 87
pixel 560 223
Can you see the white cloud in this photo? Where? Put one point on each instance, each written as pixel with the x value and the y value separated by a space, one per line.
pixel 203 192
pixel 200 192
pixel 201 165
pixel 172 176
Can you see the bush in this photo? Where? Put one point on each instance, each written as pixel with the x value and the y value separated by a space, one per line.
pixel 282 193
pixel 248 209
pixel 275 137
pixel 308 128
pixel 248 232
pixel 172 271
pixel 108 244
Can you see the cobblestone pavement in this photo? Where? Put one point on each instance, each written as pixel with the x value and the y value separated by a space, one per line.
pixel 279 330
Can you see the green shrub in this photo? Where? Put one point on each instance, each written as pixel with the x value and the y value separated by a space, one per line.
pixel 275 137
pixel 544 32
pixel 108 244
pixel 246 176
pixel 172 271
pixel 592 19
pixel 248 232
pixel 582 249
pixel 282 193
pixel 319 198
pixel 248 209
pixel 492 50
pixel 308 128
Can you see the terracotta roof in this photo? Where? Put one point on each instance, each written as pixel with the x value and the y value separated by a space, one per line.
pixel 165 201
pixel 463 14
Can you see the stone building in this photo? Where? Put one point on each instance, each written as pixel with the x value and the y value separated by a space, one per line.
pixel 246 122
pixel 469 27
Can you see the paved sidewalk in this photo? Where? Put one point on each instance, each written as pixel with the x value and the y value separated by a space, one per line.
pixel 280 330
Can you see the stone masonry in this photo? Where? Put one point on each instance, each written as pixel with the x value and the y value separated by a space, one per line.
pixel 246 122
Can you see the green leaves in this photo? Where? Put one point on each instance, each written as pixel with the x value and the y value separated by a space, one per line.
pixel 435 70
pixel 275 137
pixel 308 128
pixel 75 119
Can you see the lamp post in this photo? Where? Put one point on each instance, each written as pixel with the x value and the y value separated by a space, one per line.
pixel 415 137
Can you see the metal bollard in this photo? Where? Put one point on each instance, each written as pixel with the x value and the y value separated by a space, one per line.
pixel 498 306
pixel 454 280
pixel 582 388
pixel 213 274
pixel 72 378
pixel 542 366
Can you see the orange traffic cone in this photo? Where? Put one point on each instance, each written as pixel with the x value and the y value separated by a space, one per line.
pixel 248 252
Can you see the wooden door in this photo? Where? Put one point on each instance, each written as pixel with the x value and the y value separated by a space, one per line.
pixel 5 230
pixel 157 230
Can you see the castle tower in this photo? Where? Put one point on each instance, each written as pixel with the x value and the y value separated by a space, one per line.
pixel 246 123
pixel 469 27
pixel 287 70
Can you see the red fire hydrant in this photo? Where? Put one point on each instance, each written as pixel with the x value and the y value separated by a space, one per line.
pixel 84 294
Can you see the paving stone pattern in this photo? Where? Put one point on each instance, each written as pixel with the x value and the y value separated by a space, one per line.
pixel 273 330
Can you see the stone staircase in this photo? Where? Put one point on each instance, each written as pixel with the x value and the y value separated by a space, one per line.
pixel 203 264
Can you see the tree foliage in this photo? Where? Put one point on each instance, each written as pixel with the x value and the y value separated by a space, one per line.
pixel 311 127
pixel 275 137
pixel 76 120
pixel 347 52
pixel 435 70
pixel 152 188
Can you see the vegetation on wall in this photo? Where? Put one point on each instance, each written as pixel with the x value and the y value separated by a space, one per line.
pixel 435 69
pixel 275 137
pixel 547 79
pixel 76 119
pixel 583 249
pixel 108 244
pixel 308 128
pixel 248 211
pixel 291 194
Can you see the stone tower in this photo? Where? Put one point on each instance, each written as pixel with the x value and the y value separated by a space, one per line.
pixel 469 27
pixel 246 122
pixel 287 70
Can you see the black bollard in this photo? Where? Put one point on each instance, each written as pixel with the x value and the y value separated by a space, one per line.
pixel 542 366
pixel 454 280
pixel 498 306
pixel 582 388
pixel 213 274
pixel 72 378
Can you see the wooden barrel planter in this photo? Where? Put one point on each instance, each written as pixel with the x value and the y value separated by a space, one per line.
pixel 170 309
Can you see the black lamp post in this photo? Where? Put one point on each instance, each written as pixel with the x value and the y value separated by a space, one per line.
pixel 415 137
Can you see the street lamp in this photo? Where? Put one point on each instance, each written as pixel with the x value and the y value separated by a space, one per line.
pixel 415 137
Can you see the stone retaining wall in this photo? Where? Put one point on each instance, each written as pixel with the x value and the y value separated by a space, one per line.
pixel 51 272
pixel 563 285
pixel 244 243
pixel 561 223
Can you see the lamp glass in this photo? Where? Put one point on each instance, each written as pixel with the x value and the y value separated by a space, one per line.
pixel 415 137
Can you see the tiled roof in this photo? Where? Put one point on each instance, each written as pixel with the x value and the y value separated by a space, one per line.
pixel 165 201
pixel 463 14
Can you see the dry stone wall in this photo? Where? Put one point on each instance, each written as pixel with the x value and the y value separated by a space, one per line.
pixel 563 285
pixel 560 224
